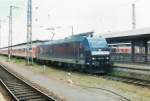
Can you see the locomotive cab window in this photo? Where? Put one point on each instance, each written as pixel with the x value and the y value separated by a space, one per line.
pixel 97 43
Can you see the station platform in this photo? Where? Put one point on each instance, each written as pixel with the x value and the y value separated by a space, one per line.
pixel 135 71
pixel 63 90
pixel 133 66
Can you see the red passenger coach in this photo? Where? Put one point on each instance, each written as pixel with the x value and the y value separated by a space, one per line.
pixel 34 52
pixel 19 50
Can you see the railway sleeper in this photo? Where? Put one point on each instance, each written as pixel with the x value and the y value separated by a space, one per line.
pixel 26 94
pixel 136 82
pixel 123 80
pixel 29 98
pixel 147 85
pixel 14 83
pixel 143 84
pixel 20 90
pixel 42 99
pixel 23 92
pixel 16 86
pixel 131 81
pixel 21 87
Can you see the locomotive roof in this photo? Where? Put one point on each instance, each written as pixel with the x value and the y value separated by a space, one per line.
pixel 135 32
pixel 70 39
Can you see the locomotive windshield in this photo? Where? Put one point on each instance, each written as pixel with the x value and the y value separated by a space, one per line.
pixel 97 43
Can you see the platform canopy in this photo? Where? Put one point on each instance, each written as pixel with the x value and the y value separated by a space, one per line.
pixel 126 36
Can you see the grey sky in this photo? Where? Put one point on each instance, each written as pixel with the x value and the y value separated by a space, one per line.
pixel 84 15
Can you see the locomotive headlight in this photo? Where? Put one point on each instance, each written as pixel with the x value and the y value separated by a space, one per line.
pixel 93 58
pixel 87 63
pixel 107 58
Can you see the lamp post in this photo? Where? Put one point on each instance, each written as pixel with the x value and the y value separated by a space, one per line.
pixel 10 33
pixel 133 17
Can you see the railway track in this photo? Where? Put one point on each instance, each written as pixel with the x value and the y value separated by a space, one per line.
pixel 19 90
pixel 138 82
pixel 129 80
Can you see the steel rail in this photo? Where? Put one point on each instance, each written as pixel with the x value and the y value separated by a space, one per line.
pixel 12 95
pixel 20 89
pixel 139 82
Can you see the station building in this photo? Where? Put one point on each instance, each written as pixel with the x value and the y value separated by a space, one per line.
pixel 130 46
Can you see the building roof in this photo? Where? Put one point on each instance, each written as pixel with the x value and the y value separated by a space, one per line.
pixel 122 36
pixel 127 33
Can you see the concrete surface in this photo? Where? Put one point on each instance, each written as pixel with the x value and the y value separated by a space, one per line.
pixel 138 66
pixel 62 89
pixel 2 97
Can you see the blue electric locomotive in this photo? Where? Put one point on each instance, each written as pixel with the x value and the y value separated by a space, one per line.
pixel 83 53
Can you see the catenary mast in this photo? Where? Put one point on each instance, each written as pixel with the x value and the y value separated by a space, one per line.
pixel 29 33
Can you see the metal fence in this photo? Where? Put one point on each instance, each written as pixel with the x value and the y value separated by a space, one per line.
pixel 129 58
